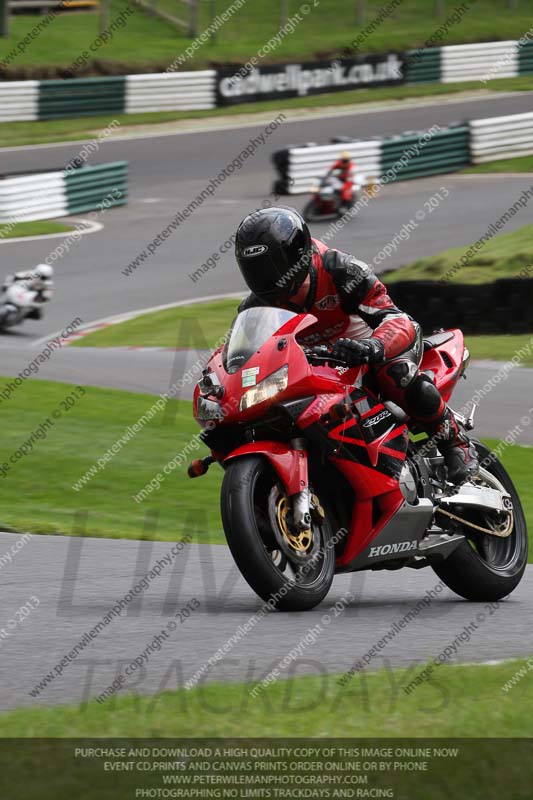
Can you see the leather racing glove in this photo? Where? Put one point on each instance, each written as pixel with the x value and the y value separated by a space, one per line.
pixel 359 351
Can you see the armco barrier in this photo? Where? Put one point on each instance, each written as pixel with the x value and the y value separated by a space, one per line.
pixel 423 66
pixel 105 185
pixel 57 194
pixel 18 101
pixel 525 59
pixel 81 97
pixel 473 62
pixel 306 165
pixel 408 156
pixel 207 89
pixel 501 137
pixel 170 91
pixel 122 94
pixel 497 307
pixel 33 197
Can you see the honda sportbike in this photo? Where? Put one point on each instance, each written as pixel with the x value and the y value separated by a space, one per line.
pixel 322 476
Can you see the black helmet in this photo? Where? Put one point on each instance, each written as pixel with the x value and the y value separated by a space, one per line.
pixel 274 252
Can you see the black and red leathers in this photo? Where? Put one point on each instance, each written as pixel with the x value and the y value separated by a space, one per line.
pixel 343 169
pixel 350 302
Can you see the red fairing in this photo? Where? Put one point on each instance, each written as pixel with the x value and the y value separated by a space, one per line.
pixel 362 532
pixel 445 362
pixel 336 424
pixel 290 465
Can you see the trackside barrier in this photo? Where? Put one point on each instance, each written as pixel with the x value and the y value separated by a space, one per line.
pixel 19 101
pixel 182 91
pixel 33 197
pixel 472 62
pixel 406 157
pixel 105 185
pixel 423 66
pixel 411 154
pixel 57 194
pixel 81 97
pixel 306 165
pixel 172 91
pixel 496 307
pixel 501 137
pixel 121 94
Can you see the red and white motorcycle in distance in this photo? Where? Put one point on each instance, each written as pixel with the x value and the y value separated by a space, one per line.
pixel 323 477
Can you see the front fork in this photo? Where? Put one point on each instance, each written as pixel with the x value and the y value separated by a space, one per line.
pixel 301 501
pixel 290 462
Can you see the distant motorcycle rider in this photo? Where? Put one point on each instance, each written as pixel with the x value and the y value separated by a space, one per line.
pixel 38 280
pixel 284 267
pixel 342 172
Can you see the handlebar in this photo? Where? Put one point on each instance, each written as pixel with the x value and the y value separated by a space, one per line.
pixel 321 354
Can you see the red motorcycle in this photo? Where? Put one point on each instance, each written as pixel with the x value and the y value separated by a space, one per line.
pixel 323 477
pixel 328 200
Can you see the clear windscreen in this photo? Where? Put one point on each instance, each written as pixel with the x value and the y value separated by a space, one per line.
pixel 250 330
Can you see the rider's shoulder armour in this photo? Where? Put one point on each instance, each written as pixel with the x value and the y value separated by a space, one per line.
pixel 353 278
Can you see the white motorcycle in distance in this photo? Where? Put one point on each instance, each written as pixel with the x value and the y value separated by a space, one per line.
pixel 24 294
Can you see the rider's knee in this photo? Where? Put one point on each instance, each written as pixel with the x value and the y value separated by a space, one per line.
pixel 402 373
pixel 423 397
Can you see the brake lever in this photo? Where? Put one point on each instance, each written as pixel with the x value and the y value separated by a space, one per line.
pixel 322 355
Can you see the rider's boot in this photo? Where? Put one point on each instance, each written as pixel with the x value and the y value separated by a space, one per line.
pixel 460 455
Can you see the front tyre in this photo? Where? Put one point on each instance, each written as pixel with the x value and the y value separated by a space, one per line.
pixel 309 212
pixel 290 572
pixel 485 567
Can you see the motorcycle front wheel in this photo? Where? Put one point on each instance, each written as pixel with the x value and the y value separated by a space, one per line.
pixel 292 571
pixel 309 213
pixel 486 567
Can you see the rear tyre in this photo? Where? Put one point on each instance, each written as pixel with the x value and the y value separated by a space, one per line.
pixel 290 573
pixel 485 567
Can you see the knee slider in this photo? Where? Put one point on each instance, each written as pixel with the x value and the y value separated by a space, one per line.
pixel 423 397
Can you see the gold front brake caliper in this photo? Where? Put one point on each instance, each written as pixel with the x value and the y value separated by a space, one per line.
pixel 300 542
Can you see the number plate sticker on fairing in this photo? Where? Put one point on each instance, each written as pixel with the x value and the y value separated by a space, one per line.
pixel 249 377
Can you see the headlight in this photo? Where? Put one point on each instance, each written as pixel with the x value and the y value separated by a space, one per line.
pixel 208 409
pixel 270 387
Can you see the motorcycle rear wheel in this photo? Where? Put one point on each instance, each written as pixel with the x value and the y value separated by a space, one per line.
pixel 288 579
pixel 486 568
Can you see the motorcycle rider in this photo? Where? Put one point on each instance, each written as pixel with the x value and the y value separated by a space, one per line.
pixel 38 280
pixel 342 171
pixel 284 267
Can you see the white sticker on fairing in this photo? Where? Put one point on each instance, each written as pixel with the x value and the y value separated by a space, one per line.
pixel 249 377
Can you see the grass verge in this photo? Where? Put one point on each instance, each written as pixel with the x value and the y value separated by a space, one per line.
pixel 200 326
pixel 61 454
pixel 501 348
pixel 36 491
pixel 508 255
pixel 197 326
pixel 63 130
pixel 37 228
pixel 522 164
pixel 462 701
pixel 323 31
